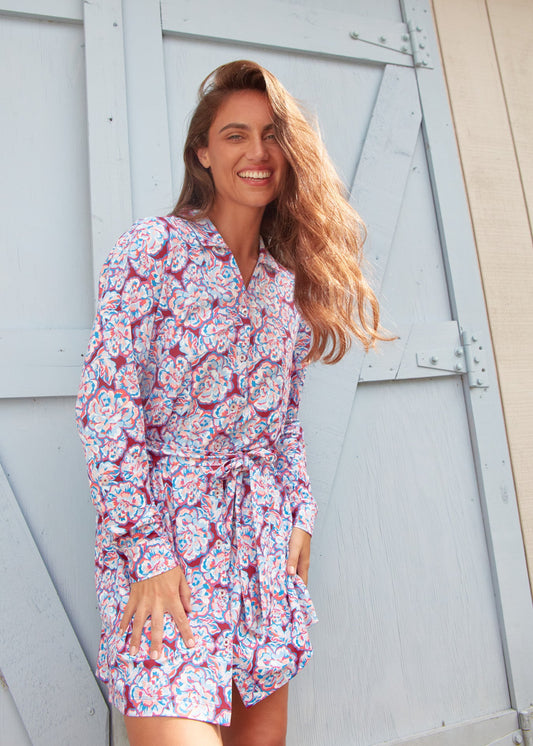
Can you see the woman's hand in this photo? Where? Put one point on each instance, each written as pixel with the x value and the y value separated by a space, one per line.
pixel 167 592
pixel 299 553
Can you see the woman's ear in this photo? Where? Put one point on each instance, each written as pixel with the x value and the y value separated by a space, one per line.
pixel 203 157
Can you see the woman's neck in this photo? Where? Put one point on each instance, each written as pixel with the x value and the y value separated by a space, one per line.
pixel 240 231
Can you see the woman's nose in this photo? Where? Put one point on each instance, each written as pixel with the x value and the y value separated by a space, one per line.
pixel 257 150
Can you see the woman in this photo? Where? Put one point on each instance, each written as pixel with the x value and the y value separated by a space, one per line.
pixel 188 414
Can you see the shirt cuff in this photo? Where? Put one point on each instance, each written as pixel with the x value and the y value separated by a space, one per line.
pixel 147 556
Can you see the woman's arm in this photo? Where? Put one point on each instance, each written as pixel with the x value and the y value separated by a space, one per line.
pixel 109 409
pixel 292 466
pixel 110 417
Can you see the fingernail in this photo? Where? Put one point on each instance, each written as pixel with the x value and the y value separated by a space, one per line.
pixel 154 654
pixel 291 570
pixel 191 642
pixel 133 649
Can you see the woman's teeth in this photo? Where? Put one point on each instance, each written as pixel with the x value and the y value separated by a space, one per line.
pixel 254 174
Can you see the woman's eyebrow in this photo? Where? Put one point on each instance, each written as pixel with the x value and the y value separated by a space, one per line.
pixel 240 126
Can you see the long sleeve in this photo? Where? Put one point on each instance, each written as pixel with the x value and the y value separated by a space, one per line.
pixel 109 411
pixel 292 465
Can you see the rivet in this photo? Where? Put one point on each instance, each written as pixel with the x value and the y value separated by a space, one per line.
pixel 405 37
pixel 383 39
pixel 404 49
pixel 474 339
pixel 434 359
pixel 480 382
pixel 92 711
pixel 419 28
pixel 424 63
pixel 476 359
pixel 517 738
pixel 458 352
pixel 421 46
pixel 354 34
pixel 458 366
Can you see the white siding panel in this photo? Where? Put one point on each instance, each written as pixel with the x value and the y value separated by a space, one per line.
pixel 12 730
pixel 45 233
pixel 53 10
pixel 42 457
pixel 401 577
pixel 287 26
pixel 107 121
pixel 42 661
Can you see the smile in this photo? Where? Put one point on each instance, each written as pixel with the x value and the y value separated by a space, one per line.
pixel 254 174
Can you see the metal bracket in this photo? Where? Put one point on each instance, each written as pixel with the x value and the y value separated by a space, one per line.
pixel 524 721
pixel 419 44
pixel 470 359
pixel 407 38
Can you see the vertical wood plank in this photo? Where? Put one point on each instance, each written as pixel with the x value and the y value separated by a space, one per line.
pixel 109 157
pixel 466 296
pixel 147 109
pixel 42 662
pixel 376 193
pixel 512 30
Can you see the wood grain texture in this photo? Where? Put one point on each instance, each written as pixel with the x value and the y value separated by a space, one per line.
pixel 41 362
pixel 109 158
pixel 401 577
pixel 42 661
pixel 512 31
pixel 50 10
pixel 497 205
pixel 151 180
pixel 45 232
pixel 12 728
pixel 316 31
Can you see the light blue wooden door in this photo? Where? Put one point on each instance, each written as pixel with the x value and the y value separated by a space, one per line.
pixel 418 569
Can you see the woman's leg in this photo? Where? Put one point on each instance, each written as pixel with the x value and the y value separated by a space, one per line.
pixel 169 731
pixel 263 724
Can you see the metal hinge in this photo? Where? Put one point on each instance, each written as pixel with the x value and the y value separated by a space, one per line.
pixel 470 359
pixel 524 721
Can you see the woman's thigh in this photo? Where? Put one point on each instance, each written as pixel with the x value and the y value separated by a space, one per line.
pixel 169 731
pixel 263 724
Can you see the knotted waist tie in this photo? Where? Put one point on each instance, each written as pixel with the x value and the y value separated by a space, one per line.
pixel 234 470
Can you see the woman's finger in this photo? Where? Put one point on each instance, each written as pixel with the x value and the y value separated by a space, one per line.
pixel 185 594
pixel 156 636
pixel 182 623
pixel 299 553
pixel 127 616
pixel 136 632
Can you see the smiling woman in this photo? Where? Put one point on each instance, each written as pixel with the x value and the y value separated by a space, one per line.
pixel 188 410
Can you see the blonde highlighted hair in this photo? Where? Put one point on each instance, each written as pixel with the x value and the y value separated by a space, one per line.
pixel 310 228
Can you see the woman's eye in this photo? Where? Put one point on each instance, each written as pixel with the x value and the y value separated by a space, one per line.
pixel 235 137
pixel 271 137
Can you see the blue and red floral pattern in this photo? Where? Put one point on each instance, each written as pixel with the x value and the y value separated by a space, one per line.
pixel 187 410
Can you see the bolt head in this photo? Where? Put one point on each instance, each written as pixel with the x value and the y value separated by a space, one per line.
pixel 480 382
pixel 424 63
pixel 434 359
pixel 421 46
pixel 404 49
pixel 419 28
pixel 383 39
pixel 405 37
pixel 458 366
pixel 458 352
pixel 92 711
pixel 354 35
pixel 517 738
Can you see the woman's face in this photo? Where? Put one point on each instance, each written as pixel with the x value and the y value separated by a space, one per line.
pixel 246 162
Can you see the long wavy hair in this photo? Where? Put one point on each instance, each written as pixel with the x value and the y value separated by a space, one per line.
pixel 310 228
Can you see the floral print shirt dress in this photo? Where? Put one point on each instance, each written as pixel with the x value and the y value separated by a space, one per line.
pixel 187 410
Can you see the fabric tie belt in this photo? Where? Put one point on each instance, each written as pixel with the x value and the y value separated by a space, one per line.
pixel 235 470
